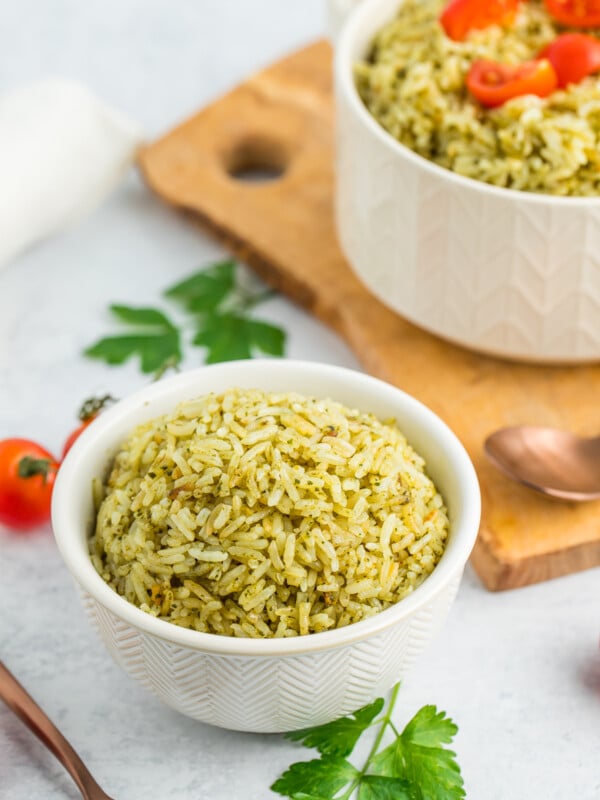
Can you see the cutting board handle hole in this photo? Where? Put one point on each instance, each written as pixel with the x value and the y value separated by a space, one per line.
pixel 257 160
pixel 255 173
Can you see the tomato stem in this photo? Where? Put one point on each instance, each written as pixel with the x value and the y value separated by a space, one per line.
pixel 29 467
pixel 93 405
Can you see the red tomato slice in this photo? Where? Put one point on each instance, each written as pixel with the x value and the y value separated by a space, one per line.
pixel 493 84
pixel 582 13
pixel 461 16
pixel 574 56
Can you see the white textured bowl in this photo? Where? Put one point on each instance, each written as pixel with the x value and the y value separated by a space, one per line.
pixel 274 684
pixel 509 273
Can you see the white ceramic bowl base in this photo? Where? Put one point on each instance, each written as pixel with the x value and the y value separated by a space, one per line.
pixel 509 273
pixel 271 694
pixel 268 684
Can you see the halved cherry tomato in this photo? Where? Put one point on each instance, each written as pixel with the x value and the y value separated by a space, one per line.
pixel 27 474
pixel 461 16
pixel 87 414
pixel 574 56
pixel 580 13
pixel 493 84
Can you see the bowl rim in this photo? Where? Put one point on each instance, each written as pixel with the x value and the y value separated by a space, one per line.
pixel 360 20
pixel 72 546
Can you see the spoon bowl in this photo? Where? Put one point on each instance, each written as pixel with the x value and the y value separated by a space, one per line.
pixel 551 461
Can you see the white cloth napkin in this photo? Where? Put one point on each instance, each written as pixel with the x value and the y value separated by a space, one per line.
pixel 61 151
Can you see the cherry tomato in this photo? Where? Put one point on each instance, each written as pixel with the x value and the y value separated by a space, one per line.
pixel 72 437
pixel 493 84
pixel 27 474
pixel 461 16
pixel 87 414
pixel 574 56
pixel 581 13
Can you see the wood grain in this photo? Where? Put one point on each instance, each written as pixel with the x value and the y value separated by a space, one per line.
pixel 285 229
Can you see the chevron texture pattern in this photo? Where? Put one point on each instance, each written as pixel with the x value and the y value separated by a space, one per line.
pixel 271 693
pixel 512 277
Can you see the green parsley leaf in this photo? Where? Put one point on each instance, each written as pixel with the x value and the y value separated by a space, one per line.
pixel 430 727
pixel 205 290
pixel 321 778
pixel 141 316
pixel 378 787
pixel 229 336
pixel 156 340
pixel 416 766
pixel 220 307
pixel 418 756
pixel 266 337
pixel 224 335
pixel 339 737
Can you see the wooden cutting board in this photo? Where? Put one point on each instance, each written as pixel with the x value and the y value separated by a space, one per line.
pixel 282 119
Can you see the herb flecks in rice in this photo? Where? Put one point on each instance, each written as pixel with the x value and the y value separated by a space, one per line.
pixel 258 515
pixel 414 84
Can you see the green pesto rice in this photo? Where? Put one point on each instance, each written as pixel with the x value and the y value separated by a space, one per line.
pixel 413 83
pixel 259 515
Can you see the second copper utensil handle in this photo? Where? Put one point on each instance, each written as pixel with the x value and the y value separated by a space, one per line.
pixel 25 707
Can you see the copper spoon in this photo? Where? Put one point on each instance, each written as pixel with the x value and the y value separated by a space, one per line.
pixel 17 699
pixel 551 461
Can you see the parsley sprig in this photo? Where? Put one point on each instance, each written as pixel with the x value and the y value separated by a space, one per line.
pixel 153 337
pixel 416 765
pixel 219 310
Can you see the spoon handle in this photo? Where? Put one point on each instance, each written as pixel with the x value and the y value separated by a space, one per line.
pixel 19 701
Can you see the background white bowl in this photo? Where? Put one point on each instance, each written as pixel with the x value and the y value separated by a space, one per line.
pixel 275 684
pixel 509 273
